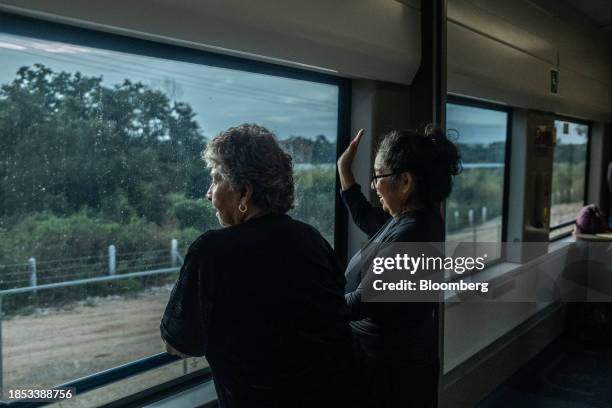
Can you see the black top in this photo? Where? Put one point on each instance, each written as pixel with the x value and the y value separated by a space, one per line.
pixel 395 331
pixel 263 301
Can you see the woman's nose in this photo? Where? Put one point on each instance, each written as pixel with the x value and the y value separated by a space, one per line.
pixel 209 193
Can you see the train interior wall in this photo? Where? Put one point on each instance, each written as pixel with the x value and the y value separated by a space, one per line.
pixel 504 51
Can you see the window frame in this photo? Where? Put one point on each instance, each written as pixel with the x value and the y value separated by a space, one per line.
pixel 477 103
pixel 589 124
pixel 89 35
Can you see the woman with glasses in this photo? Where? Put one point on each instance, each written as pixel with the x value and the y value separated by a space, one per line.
pixel 397 343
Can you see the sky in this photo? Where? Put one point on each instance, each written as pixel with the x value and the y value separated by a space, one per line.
pixel 220 97
pixel 484 126
pixel 476 125
pixel 571 133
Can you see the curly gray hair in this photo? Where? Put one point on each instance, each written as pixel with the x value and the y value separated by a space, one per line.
pixel 250 155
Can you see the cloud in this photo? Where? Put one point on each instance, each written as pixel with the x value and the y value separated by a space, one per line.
pixel 11 46
pixel 58 48
pixel 14 42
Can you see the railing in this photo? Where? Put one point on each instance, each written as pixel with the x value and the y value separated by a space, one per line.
pixel 97 380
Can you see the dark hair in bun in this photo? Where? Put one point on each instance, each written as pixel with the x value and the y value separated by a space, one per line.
pixel 429 156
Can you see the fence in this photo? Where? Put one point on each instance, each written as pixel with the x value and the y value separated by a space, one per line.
pixel 36 272
pixel 29 278
pixel 474 225
pixel 76 282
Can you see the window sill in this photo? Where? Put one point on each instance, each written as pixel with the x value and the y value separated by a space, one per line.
pixel 501 273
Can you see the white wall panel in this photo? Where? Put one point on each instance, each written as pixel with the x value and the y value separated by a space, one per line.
pixel 370 39
pixel 470 327
pixel 504 50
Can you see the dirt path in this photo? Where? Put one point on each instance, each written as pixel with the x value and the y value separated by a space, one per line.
pixel 57 345
pixel 489 231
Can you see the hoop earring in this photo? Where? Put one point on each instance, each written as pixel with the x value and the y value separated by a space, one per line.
pixel 242 208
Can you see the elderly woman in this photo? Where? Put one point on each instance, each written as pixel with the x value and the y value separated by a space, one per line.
pixel 397 343
pixel 262 299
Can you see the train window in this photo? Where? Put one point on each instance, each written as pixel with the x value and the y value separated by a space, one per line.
pixel 569 176
pixel 102 188
pixel 474 210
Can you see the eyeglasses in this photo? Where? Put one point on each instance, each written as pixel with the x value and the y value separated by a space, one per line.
pixel 375 178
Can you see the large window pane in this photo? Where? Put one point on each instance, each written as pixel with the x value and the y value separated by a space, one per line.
pixel 569 174
pixel 474 209
pixel 100 175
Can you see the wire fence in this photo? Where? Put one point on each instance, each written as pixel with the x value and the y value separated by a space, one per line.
pixel 37 272
pixel 55 294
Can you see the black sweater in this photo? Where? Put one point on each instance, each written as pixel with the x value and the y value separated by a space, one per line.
pixel 263 301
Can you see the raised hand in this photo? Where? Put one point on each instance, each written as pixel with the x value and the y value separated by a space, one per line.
pixel 346 161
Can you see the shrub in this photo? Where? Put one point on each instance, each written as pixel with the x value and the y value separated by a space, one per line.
pixel 194 213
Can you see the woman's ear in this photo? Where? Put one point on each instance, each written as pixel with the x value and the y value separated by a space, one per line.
pixel 406 184
pixel 247 193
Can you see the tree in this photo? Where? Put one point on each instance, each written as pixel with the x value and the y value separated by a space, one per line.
pixel 304 150
pixel 69 142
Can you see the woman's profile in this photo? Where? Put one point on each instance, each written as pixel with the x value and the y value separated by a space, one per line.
pixel 397 343
pixel 263 298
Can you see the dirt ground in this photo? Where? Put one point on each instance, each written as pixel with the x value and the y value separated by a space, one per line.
pixel 53 346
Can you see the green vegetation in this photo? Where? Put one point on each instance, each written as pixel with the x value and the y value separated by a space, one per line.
pixel 472 190
pixel 475 188
pixel 71 143
pixel 482 153
pixel 84 166
pixel 568 181
pixel 315 199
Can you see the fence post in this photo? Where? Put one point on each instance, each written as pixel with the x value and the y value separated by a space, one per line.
pixel 173 253
pixel 472 223
pixel 483 212
pixel 112 260
pixel 33 276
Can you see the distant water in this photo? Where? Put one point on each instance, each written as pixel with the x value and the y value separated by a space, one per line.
pixel 482 165
pixel 311 166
